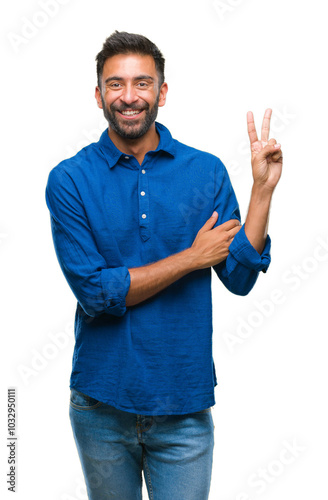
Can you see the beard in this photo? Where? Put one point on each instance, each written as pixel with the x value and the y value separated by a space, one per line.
pixel 130 130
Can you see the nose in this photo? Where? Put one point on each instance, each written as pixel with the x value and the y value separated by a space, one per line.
pixel 129 94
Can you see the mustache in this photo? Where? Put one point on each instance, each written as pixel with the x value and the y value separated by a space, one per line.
pixel 131 107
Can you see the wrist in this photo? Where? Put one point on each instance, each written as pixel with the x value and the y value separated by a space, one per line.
pixel 190 259
pixel 261 192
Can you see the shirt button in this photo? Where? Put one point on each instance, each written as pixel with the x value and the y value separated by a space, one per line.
pixel 144 216
pixel 142 193
pixel 143 171
pixel 127 157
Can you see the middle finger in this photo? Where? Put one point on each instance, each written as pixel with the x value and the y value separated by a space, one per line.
pixel 266 125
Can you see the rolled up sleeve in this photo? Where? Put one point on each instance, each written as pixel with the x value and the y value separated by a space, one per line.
pixel 240 270
pixel 98 287
pixel 242 250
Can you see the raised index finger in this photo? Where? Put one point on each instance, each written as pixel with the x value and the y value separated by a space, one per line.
pixel 251 127
pixel 266 125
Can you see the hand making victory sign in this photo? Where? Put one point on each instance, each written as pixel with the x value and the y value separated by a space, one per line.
pixel 266 162
pixel 266 154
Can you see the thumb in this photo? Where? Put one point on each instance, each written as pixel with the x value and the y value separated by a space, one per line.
pixel 210 222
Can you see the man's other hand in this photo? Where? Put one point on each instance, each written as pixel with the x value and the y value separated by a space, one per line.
pixel 211 246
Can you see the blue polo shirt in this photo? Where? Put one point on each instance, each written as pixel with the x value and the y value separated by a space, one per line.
pixel 108 214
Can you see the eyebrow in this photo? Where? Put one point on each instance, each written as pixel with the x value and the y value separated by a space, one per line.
pixel 119 78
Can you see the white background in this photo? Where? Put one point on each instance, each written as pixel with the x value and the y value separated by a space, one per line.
pixel 223 59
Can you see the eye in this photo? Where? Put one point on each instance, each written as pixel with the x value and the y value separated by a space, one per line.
pixel 115 85
pixel 143 84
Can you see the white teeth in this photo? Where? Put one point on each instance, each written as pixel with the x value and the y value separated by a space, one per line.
pixel 130 113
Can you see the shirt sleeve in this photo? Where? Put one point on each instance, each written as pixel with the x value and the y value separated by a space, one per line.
pixel 98 287
pixel 241 268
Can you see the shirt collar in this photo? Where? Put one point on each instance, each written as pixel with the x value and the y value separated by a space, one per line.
pixel 113 154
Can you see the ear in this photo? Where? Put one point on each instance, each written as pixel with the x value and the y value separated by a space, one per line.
pixel 98 97
pixel 162 94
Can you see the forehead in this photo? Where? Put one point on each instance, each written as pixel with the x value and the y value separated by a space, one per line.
pixel 129 66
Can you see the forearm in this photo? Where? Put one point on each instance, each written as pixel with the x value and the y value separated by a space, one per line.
pixel 257 220
pixel 148 280
pixel 210 247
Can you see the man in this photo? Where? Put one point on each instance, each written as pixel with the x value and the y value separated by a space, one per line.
pixel 138 220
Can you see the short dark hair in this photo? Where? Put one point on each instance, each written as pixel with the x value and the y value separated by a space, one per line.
pixel 121 42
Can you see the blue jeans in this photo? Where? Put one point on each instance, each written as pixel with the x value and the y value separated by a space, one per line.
pixel 174 451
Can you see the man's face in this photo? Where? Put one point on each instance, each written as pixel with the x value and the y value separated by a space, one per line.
pixel 130 94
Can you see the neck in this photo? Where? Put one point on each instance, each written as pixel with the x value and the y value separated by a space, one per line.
pixel 136 147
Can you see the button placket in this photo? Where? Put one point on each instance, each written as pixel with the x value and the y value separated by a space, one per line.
pixel 143 195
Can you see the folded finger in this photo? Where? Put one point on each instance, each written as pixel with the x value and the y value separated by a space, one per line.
pixel 276 156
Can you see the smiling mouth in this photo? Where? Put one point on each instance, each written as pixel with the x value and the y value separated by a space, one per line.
pixel 131 113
